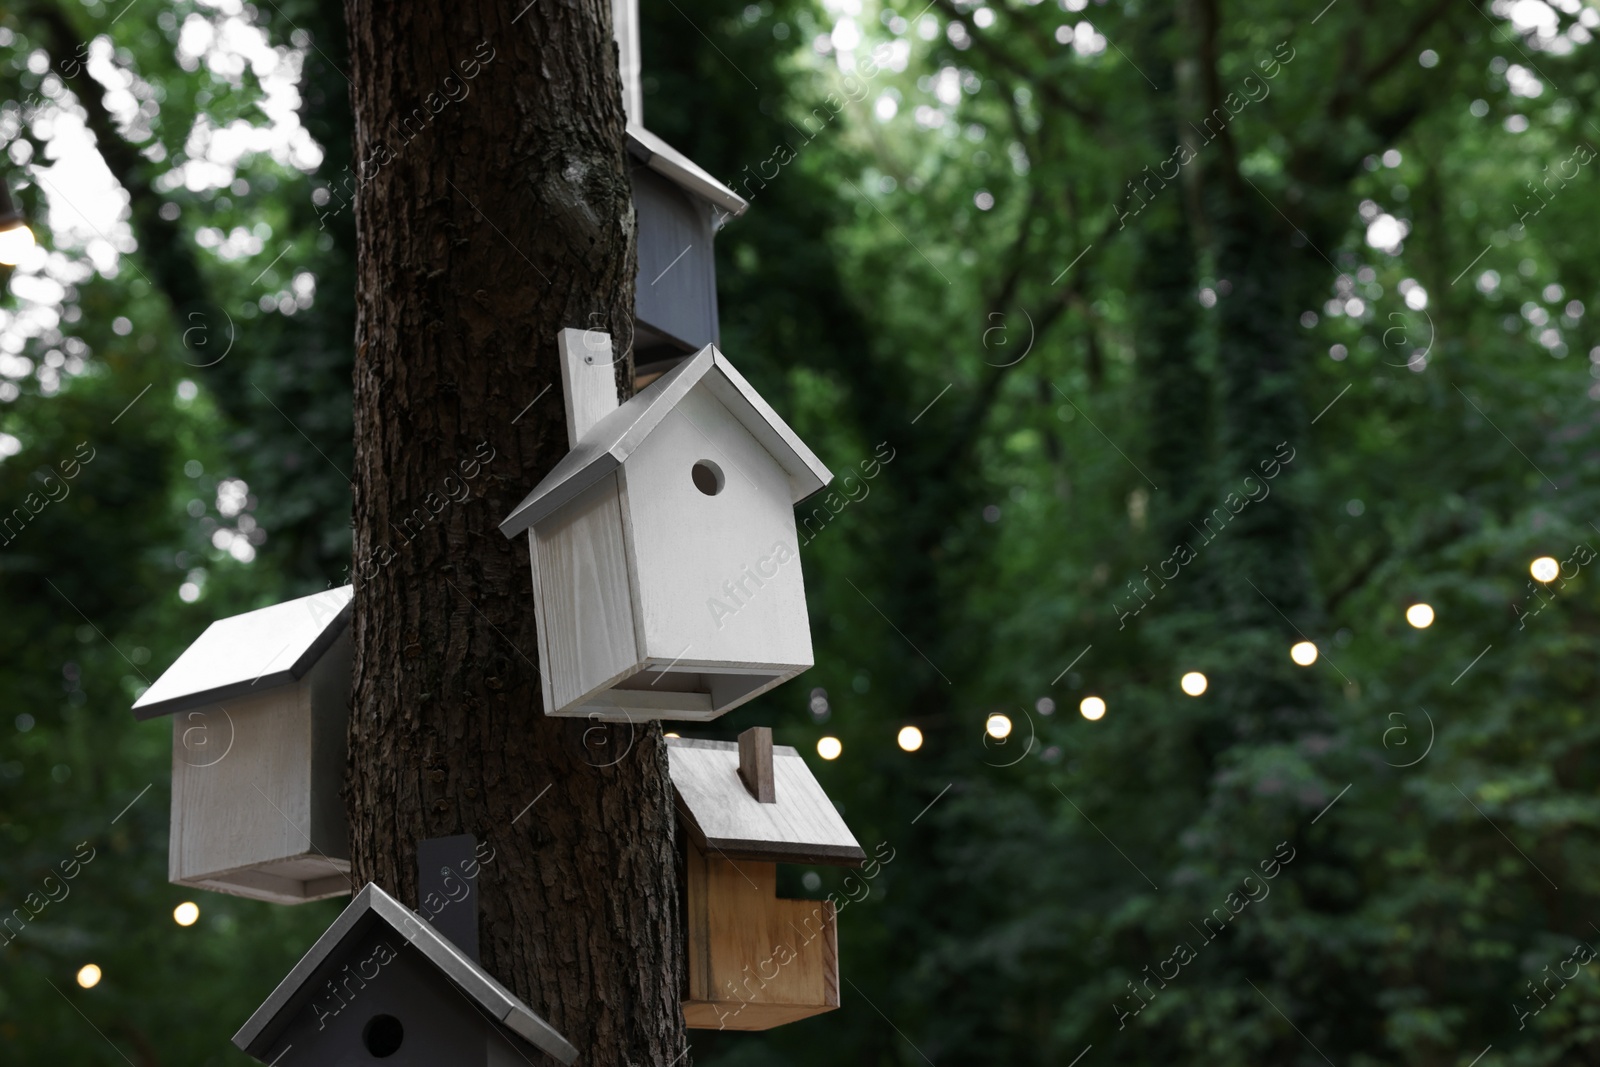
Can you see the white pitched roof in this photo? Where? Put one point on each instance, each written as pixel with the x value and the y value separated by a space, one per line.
pixel 802 826
pixel 373 905
pixel 613 439
pixel 249 653
pixel 678 168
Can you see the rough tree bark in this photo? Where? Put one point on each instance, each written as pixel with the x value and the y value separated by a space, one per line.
pixel 493 209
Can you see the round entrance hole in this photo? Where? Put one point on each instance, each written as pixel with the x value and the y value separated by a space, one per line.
pixel 383 1036
pixel 707 477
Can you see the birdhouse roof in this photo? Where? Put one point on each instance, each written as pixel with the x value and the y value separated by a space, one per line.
pixel 370 907
pixel 249 653
pixel 800 826
pixel 682 171
pixel 614 438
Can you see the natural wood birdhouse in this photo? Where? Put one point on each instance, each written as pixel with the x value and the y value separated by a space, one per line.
pixel 679 208
pixel 666 569
pixel 755 961
pixel 382 984
pixel 259 705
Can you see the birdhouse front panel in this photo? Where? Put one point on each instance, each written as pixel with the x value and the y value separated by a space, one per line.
pixel 720 590
pixel 256 810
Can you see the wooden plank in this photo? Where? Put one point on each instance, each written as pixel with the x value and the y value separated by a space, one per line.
pixel 755 961
pixel 801 826
pixel 755 763
pixel 587 617
pixel 588 380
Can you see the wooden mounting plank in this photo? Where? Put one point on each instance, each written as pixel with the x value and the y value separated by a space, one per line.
pixel 755 763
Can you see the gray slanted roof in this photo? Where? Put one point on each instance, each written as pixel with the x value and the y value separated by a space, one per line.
pixel 614 438
pixel 802 826
pixel 678 168
pixel 249 653
pixel 373 905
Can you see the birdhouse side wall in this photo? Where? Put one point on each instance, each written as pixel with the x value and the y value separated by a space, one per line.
pixel 329 681
pixel 241 783
pixel 755 961
pixel 676 293
pixel 584 597
pixel 719 577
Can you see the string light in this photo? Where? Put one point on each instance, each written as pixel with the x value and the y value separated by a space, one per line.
pixel 16 240
pixel 671 733
pixel 1544 569
pixel 998 727
pixel 1092 708
pixel 1194 683
pixel 88 976
pixel 1304 653
pixel 910 738
pixel 1420 616
pixel 186 913
pixel 830 747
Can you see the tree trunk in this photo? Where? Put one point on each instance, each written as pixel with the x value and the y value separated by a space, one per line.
pixel 493 209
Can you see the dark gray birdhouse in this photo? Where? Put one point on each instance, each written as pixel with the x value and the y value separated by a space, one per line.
pixel 382 984
pixel 679 208
pixel 259 705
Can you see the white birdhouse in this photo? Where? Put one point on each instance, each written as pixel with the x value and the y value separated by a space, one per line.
pixel 666 570
pixel 259 706
pixel 679 207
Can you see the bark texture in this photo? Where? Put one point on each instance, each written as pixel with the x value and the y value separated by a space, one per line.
pixel 493 209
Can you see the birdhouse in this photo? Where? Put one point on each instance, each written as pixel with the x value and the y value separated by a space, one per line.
pixel 679 208
pixel 666 568
pixel 755 961
pixel 383 984
pixel 259 706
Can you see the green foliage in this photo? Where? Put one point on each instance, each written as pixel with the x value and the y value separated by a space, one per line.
pixel 1045 364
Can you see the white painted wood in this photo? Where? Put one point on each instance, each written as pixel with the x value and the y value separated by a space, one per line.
pixel 248 654
pixel 625 430
pixel 682 171
pixel 249 814
pixel 719 576
pixel 625 21
pixel 587 616
pixel 800 826
pixel 588 380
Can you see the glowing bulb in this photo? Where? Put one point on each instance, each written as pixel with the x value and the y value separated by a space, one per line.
pixel 998 727
pixel 671 733
pixel 14 244
pixel 1193 683
pixel 1092 708
pixel 1420 616
pixel 186 913
pixel 829 748
pixel 1544 569
pixel 88 976
pixel 1304 653
pixel 910 738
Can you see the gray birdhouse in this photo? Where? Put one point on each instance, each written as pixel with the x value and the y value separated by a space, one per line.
pixel 259 706
pixel 755 961
pixel 383 984
pixel 666 569
pixel 679 208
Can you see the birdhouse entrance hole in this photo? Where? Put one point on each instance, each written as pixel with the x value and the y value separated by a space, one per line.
pixel 707 477
pixel 383 1036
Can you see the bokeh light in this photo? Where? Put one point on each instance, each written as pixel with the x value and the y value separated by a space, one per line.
pixel 1420 616
pixel 186 913
pixel 1304 653
pixel 1092 708
pixel 1194 683
pixel 998 727
pixel 1544 569
pixel 89 975
pixel 830 747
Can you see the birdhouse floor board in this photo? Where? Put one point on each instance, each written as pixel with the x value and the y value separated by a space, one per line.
pixel 329 880
pixel 755 961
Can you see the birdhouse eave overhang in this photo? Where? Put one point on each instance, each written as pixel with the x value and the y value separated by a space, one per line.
pixel 614 438
pixel 800 825
pixel 372 905
pixel 247 654
pixel 683 172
